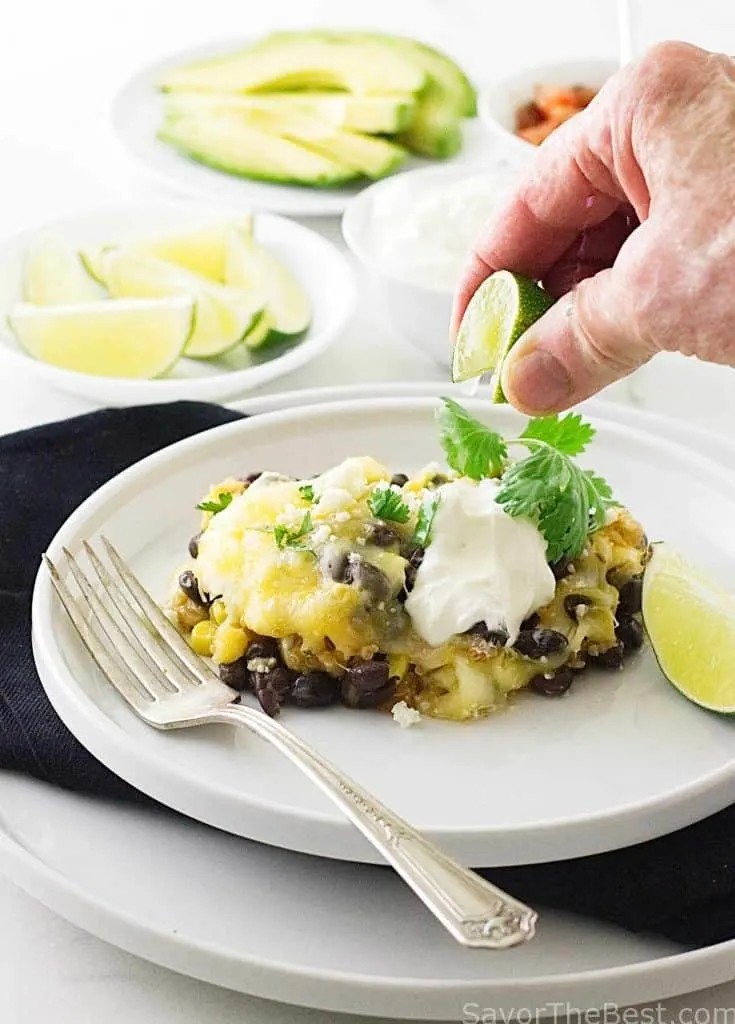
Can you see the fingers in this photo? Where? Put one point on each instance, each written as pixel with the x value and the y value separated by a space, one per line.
pixel 587 340
pixel 591 252
pixel 566 190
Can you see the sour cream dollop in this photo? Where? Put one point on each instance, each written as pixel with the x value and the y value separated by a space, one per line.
pixel 482 565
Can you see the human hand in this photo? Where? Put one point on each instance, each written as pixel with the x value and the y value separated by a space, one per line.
pixel 631 205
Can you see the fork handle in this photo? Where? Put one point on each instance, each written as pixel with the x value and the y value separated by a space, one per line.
pixel 475 912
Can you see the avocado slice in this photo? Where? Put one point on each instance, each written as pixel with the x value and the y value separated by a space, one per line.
pixel 366 155
pixel 304 61
pixel 224 142
pixel 447 97
pixel 373 115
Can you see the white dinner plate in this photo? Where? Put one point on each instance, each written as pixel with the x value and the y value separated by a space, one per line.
pixel 137 114
pixel 619 760
pixel 340 937
pixel 316 262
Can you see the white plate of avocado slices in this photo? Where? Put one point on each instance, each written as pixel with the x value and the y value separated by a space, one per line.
pixel 169 301
pixel 296 122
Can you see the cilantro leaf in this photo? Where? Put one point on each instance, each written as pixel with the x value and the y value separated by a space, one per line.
pixel 565 501
pixel 286 538
pixel 224 498
pixel 425 520
pixel 385 503
pixel 307 492
pixel 471 448
pixel 569 434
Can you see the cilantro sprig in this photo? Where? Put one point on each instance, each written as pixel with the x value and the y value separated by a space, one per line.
pixel 307 492
pixel 294 539
pixel 425 520
pixel 565 501
pixel 387 504
pixel 224 498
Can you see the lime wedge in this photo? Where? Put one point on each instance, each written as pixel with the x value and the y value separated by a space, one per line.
pixel 55 276
pixel 201 250
pixel 139 338
pixel 249 265
pixel 691 624
pixel 224 315
pixel 502 308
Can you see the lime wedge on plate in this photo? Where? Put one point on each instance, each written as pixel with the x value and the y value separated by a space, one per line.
pixel 224 315
pixel 251 266
pixel 55 276
pixel 502 308
pixel 691 624
pixel 201 250
pixel 140 338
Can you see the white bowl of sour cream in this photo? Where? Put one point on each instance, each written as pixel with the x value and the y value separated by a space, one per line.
pixel 413 234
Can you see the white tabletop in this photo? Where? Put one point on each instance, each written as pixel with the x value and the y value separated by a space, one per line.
pixel 60 64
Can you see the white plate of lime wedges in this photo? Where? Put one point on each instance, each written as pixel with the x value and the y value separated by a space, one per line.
pixel 296 122
pixel 620 758
pixel 160 302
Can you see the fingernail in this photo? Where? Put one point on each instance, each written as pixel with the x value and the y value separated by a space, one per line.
pixel 538 381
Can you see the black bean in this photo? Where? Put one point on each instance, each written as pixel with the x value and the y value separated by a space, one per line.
pixel 496 637
pixel 251 477
pixel 368 676
pixel 268 701
pixel 553 684
pixel 279 679
pixel 611 658
pixel 354 697
pixel 333 563
pixel 532 621
pixel 629 602
pixel 189 585
pixel 560 569
pixel 399 479
pixel 264 647
pixel 629 632
pixel 236 674
pixel 367 578
pixel 315 690
pixel 382 535
pixel 573 602
pixel 437 480
pixel 194 545
pixel 538 643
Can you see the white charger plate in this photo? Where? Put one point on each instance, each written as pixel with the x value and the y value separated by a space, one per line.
pixel 316 262
pixel 619 760
pixel 137 114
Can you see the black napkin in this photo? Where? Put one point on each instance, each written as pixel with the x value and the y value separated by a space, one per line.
pixel 681 886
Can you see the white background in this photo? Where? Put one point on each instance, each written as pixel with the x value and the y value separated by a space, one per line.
pixel 60 64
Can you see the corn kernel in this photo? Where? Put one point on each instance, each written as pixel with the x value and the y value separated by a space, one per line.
pixel 218 612
pixel 398 665
pixel 202 636
pixel 230 643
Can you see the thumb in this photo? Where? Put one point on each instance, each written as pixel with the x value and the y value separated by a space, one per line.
pixel 584 342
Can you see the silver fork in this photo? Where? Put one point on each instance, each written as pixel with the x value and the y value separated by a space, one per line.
pixel 170 687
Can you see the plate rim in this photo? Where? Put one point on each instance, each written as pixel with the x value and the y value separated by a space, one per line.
pixel 331 990
pixel 219 386
pixel 333 831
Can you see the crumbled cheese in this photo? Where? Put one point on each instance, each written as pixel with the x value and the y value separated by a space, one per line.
pixel 261 664
pixel 342 517
pixel 334 500
pixel 404 715
pixel 321 534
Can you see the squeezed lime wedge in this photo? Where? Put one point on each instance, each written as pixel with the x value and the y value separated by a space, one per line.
pixel 501 310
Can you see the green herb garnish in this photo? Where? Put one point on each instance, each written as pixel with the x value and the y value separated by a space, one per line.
pixel 224 498
pixel 294 539
pixel 307 492
pixel 565 501
pixel 470 447
pixel 425 520
pixel 387 504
